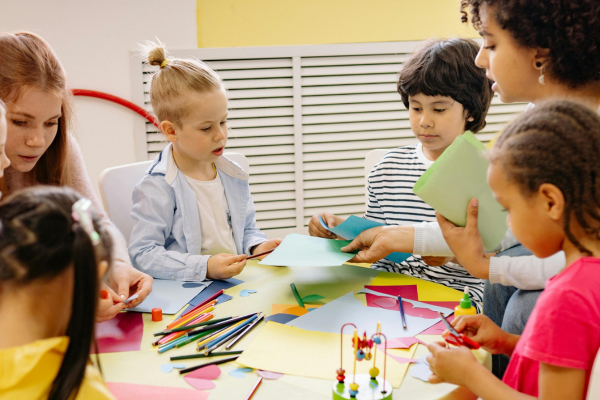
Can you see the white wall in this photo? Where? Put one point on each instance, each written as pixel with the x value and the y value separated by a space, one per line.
pixel 92 38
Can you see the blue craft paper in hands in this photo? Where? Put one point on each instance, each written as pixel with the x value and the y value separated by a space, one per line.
pixel 353 226
pixel 307 251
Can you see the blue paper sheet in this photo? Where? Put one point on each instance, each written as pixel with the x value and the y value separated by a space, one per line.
pixel 307 251
pixel 170 296
pixel 353 226
pixel 214 288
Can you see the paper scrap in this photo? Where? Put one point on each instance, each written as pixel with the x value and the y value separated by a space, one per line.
pixel 415 304
pixel 281 318
pixel 385 302
pixel 438 328
pixel 312 298
pixel 402 360
pixel 353 226
pixel 200 384
pixel 401 343
pixel 122 333
pixel 246 292
pixel 420 369
pixel 291 309
pixel 427 291
pixel 170 296
pixel 240 372
pixel 336 313
pixel 166 368
pixel 214 287
pixel 292 351
pixel 128 391
pixel 456 177
pixel 209 372
pixel 306 251
pixel 269 375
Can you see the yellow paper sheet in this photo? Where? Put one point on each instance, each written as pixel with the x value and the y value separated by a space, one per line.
pixel 288 350
pixel 428 291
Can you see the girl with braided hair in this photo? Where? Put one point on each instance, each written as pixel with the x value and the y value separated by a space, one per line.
pixel 53 253
pixel 544 172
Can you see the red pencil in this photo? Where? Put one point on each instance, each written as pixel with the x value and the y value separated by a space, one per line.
pixel 254 388
pixel 214 296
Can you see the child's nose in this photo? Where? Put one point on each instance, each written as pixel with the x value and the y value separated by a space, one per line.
pixel 426 121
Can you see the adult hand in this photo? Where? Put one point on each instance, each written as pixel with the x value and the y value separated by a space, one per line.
pixel 485 332
pixel 466 243
pixel 455 365
pixel 436 261
pixel 224 266
pixel 110 306
pixel 377 243
pixel 268 245
pixel 316 229
pixel 127 281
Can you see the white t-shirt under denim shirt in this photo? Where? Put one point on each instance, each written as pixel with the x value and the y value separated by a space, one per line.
pixel 215 229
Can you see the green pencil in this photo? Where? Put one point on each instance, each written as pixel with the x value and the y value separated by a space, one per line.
pixel 297 295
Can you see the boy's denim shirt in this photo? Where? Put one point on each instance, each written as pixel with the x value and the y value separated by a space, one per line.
pixel 165 241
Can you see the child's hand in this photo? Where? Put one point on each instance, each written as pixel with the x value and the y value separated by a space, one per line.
pixel 224 266
pixel 268 245
pixel 455 365
pixel 485 332
pixel 316 229
pixel 109 306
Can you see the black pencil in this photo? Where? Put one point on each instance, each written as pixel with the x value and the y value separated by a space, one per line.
pixel 215 354
pixel 195 367
pixel 220 324
pixel 187 327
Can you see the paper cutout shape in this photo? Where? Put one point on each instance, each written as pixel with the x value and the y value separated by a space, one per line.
pixel 191 285
pixel 438 328
pixel 353 226
pixel 128 391
pixel 306 251
pixel 169 296
pixel 246 292
pixel 291 309
pixel 122 333
pixel 401 343
pixel 457 176
pixel 209 372
pixel 334 314
pixel 402 360
pixel 200 384
pixel 312 298
pixel 420 369
pixel 240 372
pixel 269 375
pixel 281 318
pixel 427 291
pixel 166 368
pixel 214 287
pixel 386 302
pixel 293 351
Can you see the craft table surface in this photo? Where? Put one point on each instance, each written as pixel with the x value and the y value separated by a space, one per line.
pixel 273 287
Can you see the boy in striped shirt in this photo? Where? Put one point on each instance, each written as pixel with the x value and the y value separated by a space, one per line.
pixel 446 94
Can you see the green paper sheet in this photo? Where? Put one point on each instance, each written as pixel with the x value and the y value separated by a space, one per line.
pixel 456 177
pixel 307 251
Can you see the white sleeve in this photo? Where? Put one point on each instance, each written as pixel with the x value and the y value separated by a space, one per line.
pixel 527 272
pixel 429 240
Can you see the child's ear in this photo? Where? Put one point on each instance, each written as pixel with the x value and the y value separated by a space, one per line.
pixel 553 199
pixel 540 57
pixel 168 129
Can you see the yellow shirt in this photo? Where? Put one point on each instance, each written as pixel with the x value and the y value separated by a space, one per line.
pixel 27 372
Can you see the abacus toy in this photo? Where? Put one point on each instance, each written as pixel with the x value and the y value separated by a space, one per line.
pixel 362 386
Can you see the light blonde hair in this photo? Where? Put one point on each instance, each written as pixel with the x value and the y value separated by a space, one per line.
pixel 29 62
pixel 176 78
pixel 2 109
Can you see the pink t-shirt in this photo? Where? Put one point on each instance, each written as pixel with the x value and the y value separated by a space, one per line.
pixel 563 329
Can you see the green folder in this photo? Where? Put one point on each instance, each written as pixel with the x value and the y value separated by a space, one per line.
pixel 456 177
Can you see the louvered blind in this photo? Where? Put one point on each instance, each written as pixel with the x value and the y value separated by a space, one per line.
pixel 306 116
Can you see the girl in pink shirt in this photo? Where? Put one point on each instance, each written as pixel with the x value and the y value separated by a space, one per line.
pixel 544 171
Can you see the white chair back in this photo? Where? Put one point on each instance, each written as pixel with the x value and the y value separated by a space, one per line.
pixel 372 158
pixel 116 188
pixel 594 386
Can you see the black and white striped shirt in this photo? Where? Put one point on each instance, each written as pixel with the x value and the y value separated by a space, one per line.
pixel 392 202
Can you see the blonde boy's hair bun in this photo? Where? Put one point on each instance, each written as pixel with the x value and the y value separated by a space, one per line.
pixel 154 52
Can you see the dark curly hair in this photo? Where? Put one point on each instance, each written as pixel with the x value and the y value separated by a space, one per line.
pixel 557 143
pixel 447 68
pixel 569 29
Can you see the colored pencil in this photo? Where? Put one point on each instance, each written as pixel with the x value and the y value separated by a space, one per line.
pixel 297 295
pixel 217 362
pixel 188 327
pixel 248 328
pixel 226 337
pixel 211 298
pixel 402 312
pixel 260 378
pixel 184 320
pixel 214 354
pixel 208 336
pixel 182 341
pixel 203 343
pixel 224 323
pixel 260 254
pixel 175 335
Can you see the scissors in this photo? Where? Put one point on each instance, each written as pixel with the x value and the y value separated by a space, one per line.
pixel 458 339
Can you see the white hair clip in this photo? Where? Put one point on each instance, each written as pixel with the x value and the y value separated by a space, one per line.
pixel 83 215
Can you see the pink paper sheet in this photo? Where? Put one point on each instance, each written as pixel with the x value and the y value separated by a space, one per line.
pixel 438 328
pixel 128 391
pixel 122 333
pixel 401 343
